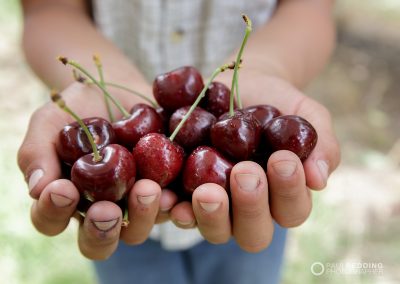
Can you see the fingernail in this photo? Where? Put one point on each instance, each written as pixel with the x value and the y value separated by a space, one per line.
pixel 105 226
pixel 146 200
pixel 165 209
pixel 285 168
pixel 210 206
pixel 60 200
pixel 185 223
pixel 35 178
pixel 323 170
pixel 247 182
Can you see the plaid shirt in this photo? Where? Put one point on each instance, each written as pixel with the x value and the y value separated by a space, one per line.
pixel 161 35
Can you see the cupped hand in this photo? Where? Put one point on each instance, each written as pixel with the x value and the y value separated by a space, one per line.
pixel 282 193
pixel 56 198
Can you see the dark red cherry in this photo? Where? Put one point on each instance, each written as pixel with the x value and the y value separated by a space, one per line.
pixel 293 133
pixel 236 137
pixel 206 165
pixel 165 116
pixel 109 179
pixel 73 142
pixel 217 99
pixel 144 119
pixel 196 130
pixel 158 158
pixel 177 88
pixel 263 113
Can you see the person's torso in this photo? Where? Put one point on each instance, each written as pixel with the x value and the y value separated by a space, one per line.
pixel 160 35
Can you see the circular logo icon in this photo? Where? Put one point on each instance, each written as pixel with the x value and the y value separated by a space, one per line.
pixel 317 268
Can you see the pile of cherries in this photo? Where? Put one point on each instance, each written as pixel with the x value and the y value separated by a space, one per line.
pixel 193 136
pixel 204 150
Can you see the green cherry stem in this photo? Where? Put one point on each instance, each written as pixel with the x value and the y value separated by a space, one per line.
pixel 76 65
pixel 81 79
pixel 146 98
pixel 56 98
pixel 200 96
pixel 99 67
pixel 234 86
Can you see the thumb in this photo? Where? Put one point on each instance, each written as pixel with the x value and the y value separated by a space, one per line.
pixel 37 156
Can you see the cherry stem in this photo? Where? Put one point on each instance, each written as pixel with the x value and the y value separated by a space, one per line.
pixel 125 219
pixel 200 96
pixel 99 67
pixel 76 65
pixel 146 98
pixel 234 86
pixel 56 98
pixel 81 79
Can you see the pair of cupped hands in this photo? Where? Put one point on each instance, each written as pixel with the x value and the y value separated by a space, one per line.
pixel 280 194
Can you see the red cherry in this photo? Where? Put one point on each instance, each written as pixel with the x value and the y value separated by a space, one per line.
pixel 263 113
pixel 109 179
pixel 217 99
pixel 177 88
pixel 73 142
pixel 293 133
pixel 196 129
pixel 205 165
pixel 158 158
pixel 238 136
pixel 144 119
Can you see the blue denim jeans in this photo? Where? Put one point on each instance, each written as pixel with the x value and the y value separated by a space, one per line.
pixel 202 264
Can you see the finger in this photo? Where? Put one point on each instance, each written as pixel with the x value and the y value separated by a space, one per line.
pixel 252 221
pixel 167 200
pixel 37 157
pixel 211 208
pixel 325 157
pixel 51 213
pixel 143 204
pixel 290 199
pixel 183 216
pixel 99 233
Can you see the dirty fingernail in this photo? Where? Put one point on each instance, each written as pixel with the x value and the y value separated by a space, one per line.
pixel 146 200
pixel 35 178
pixel 210 206
pixel 60 200
pixel 247 182
pixel 105 226
pixel 285 168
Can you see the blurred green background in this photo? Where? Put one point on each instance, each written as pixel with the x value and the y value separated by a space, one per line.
pixel 356 220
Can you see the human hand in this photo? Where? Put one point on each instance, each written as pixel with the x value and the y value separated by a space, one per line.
pixel 283 193
pixel 57 198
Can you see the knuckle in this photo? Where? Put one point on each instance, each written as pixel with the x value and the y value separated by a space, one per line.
pixel 287 193
pixel 293 220
pixel 257 245
pixel 134 240
pixel 250 212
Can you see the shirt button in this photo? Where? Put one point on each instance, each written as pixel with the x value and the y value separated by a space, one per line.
pixel 177 35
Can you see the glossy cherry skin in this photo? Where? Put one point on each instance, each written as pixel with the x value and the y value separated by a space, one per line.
pixel 73 142
pixel 238 136
pixel 177 88
pixel 196 129
pixel 144 119
pixel 205 165
pixel 158 158
pixel 293 133
pixel 217 99
pixel 263 113
pixel 109 179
